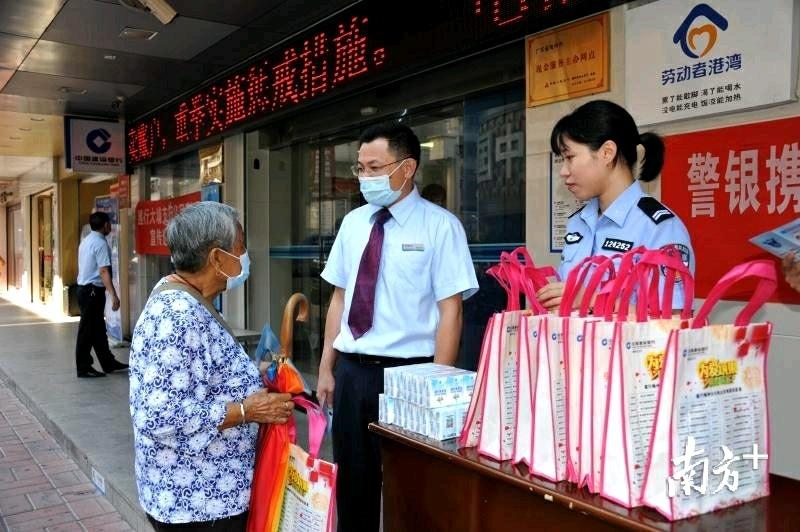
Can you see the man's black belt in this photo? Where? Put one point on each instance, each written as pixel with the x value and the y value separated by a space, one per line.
pixel 375 360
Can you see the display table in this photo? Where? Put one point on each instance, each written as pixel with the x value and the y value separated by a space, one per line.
pixel 434 486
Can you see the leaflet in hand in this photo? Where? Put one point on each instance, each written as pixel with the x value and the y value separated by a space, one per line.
pixel 780 241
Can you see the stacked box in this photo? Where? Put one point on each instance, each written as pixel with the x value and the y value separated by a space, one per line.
pixel 429 399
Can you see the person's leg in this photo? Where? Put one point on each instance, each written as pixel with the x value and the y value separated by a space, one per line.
pixel 83 344
pixel 355 450
pixel 99 333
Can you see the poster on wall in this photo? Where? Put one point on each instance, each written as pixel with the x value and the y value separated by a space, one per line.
pixel 152 218
pixel 730 185
pixel 685 59
pixel 211 164
pixel 568 62
pixel 95 146
pixel 124 191
pixel 110 206
pixel 562 205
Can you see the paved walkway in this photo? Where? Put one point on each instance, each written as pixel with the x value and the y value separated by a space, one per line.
pixel 41 488
pixel 85 420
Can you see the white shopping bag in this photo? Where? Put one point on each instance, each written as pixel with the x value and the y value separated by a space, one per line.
pixel 573 327
pixel 710 441
pixel 636 360
pixel 309 498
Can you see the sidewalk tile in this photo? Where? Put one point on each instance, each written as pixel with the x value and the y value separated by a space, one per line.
pixel 100 520
pixel 22 490
pixel 66 527
pixel 6 475
pixel 14 505
pixel 65 479
pixel 42 518
pixel 91 507
pixel 25 483
pixel 63 467
pixel 117 526
pixel 28 471
pixel 78 492
pixel 45 498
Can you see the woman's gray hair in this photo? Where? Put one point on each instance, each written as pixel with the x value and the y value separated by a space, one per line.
pixel 199 228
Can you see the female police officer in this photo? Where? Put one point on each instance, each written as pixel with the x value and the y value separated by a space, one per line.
pixel 599 143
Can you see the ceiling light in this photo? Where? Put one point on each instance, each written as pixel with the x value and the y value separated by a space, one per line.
pixel 137 34
pixel 72 90
pixel 110 57
pixel 368 110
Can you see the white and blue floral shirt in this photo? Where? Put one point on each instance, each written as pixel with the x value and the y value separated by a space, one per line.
pixel 184 369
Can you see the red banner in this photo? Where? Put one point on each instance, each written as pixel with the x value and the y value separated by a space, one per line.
pixel 729 185
pixel 151 222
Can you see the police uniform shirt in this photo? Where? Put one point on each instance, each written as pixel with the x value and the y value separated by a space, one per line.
pixel 93 254
pixel 633 219
pixel 425 259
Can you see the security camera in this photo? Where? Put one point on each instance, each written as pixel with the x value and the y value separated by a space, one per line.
pixel 159 8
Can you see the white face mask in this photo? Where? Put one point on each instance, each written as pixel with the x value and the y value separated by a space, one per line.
pixel 378 190
pixel 238 280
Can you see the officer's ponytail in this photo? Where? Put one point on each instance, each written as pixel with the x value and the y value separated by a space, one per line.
pixel 598 121
pixel 653 159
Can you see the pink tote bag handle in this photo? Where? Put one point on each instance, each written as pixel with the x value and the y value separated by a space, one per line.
pixel 763 270
pixel 645 278
pixel 575 280
pixel 317 423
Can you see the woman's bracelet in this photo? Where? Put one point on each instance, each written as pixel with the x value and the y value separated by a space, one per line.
pixel 241 407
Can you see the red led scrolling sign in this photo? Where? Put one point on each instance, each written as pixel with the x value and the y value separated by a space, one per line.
pixel 322 63
pixel 354 48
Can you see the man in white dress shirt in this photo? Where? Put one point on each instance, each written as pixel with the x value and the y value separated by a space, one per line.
pixel 400 267
pixel 94 279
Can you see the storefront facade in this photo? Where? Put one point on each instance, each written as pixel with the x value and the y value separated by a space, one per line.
pixel 486 157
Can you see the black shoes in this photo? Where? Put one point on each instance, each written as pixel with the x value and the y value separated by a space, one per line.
pixel 115 366
pixel 90 374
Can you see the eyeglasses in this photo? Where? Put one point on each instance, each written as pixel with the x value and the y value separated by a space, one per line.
pixel 359 171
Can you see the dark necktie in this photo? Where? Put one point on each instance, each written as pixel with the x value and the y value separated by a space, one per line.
pixel 362 305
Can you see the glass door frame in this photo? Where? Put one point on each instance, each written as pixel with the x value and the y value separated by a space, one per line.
pixel 11 259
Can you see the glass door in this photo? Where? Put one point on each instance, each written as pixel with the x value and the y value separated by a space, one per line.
pixel 473 164
pixel 311 189
pixel 44 209
pixel 16 246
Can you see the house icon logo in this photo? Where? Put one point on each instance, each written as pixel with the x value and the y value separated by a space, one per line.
pixel 700 30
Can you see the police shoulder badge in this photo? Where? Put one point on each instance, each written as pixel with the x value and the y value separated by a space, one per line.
pixel 654 209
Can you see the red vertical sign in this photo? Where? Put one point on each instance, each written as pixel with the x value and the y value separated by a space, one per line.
pixel 729 185
pixel 151 221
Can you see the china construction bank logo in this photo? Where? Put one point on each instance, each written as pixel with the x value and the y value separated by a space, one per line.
pixel 698 33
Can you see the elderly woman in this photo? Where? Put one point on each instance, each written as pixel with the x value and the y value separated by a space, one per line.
pixel 195 396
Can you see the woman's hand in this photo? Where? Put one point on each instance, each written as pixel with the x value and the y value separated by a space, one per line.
pixel 791 270
pixel 550 296
pixel 266 407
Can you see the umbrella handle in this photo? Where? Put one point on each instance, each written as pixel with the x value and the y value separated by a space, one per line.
pixel 287 325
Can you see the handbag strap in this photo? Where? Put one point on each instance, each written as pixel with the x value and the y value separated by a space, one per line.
pixel 317 423
pixel 763 271
pixel 171 285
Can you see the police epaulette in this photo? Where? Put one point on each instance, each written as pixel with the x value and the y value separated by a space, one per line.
pixel 576 212
pixel 654 209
